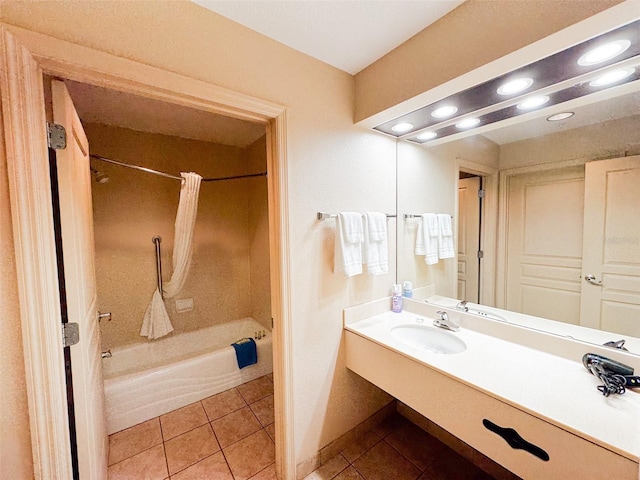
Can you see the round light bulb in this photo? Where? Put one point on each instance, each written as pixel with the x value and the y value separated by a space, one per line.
pixel 612 77
pixel 533 102
pixel 444 112
pixel 560 116
pixel 603 53
pixel 427 136
pixel 402 127
pixel 468 123
pixel 515 86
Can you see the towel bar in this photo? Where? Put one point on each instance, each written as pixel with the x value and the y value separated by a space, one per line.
pixel 324 216
pixel 413 215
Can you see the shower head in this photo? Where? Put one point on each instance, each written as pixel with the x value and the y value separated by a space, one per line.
pixel 99 176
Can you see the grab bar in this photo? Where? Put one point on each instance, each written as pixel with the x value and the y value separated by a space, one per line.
pixel 156 240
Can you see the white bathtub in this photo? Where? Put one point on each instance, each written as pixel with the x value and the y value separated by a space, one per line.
pixel 145 380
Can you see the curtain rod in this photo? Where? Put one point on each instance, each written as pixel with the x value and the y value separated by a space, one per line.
pixel 162 174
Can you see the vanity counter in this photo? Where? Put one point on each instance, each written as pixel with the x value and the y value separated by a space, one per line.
pixel 534 372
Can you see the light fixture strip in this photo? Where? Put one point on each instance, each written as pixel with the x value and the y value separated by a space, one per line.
pixel 551 89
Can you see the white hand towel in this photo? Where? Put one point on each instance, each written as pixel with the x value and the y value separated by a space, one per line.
pixel 349 238
pixel 156 323
pixel 445 239
pixel 375 246
pixel 427 238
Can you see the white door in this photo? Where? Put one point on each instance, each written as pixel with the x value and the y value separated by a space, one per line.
pixel 611 247
pixel 468 238
pixel 74 180
pixel 544 244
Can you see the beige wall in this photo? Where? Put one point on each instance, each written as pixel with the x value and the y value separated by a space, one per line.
pixel 135 206
pixel 610 139
pixel 260 281
pixel 427 183
pixel 15 439
pixel 325 151
pixel 476 33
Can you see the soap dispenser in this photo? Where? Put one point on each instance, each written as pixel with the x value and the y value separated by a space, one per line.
pixel 407 289
pixel 396 298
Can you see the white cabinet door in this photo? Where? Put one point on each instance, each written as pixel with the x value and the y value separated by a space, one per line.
pixel 76 218
pixel 611 247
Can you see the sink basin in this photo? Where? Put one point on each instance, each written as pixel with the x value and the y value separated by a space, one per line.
pixel 429 338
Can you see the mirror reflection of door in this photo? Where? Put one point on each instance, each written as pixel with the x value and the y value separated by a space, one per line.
pixel 469 237
pixel 563 227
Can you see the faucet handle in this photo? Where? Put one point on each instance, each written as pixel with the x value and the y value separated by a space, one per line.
pixel 443 315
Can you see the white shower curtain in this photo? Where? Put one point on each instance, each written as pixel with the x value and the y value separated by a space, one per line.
pixel 156 321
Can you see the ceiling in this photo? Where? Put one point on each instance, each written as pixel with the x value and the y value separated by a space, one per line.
pixel 347 34
pixel 110 107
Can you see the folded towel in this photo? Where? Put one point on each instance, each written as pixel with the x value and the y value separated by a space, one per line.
pixel 156 323
pixel 375 246
pixel 427 238
pixel 246 353
pixel 349 238
pixel 445 240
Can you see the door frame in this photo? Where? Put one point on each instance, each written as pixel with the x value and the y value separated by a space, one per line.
pixel 488 224
pixel 24 57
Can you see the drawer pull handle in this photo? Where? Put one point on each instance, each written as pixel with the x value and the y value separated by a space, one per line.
pixel 515 441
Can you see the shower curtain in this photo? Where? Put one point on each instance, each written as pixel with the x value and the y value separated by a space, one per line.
pixel 156 322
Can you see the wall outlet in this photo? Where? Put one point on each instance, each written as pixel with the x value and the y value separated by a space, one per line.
pixel 184 305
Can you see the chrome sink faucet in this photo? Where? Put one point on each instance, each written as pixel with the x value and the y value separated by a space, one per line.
pixel 444 322
pixel 462 306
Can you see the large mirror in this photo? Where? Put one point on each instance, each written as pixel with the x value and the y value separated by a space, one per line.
pixel 562 202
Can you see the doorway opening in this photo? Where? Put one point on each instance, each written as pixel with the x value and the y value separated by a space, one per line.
pixel 470 254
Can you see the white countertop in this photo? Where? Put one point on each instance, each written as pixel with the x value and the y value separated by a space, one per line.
pixel 552 386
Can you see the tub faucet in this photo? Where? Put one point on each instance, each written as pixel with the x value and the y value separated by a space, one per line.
pixel 444 322
pixel 462 306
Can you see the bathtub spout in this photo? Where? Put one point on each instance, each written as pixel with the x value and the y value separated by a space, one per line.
pixel 106 354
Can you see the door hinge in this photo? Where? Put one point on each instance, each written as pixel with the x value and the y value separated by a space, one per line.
pixel 56 136
pixel 480 254
pixel 70 334
pixel 481 193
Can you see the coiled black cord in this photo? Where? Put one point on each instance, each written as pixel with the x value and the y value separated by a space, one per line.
pixel 613 382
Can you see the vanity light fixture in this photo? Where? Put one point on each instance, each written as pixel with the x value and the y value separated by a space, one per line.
pixel 402 127
pixel 533 102
pixel 467 123
pixel 444 112
pixel 515 86
pixel 604 52
pixel 612 77
pixel 427 136
pixel 560 116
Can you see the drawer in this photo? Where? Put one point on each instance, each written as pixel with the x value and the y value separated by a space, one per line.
pixel 461 410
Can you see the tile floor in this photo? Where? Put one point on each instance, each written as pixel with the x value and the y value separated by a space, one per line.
pixel 230 436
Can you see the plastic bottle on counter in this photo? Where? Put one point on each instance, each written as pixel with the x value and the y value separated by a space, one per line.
pixel 396 298
pixel 407 289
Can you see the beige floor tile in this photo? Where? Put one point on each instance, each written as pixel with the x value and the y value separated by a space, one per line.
pixel 235 426
pixel 250 455
pixel 189 448
pixel 354 450
pixel 450 465
pixel 271 430
pixel 263 409
pixel 223 403
pixel 268 473
pixel 256 389
pixel 147 465
pixel 329 469
pixel 182 420
pixel 383 462
pixel 213 467
pixel 349 473
pixel 415 444
pixel 387 425
pixel 134 440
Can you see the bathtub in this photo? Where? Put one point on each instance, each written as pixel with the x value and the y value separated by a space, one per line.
pixel 145 380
